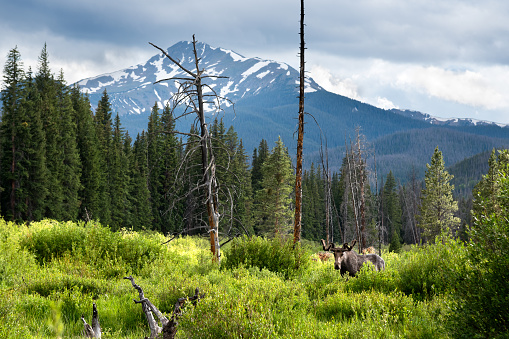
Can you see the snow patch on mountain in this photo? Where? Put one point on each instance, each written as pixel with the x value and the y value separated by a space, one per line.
pixel 232 76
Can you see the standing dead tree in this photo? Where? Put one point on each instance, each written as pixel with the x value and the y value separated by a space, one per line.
pixel 298 169
pixel 168 326
pixel 191 96
pixel 357 187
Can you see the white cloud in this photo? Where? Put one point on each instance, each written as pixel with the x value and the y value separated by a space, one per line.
pixel 331 83
pixel 385 103
pixel 464 87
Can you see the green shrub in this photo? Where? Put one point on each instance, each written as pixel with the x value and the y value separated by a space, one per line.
pixel 482 308
pixel 431 269
pixel 15 262
pixel 276 255
pixel 115 253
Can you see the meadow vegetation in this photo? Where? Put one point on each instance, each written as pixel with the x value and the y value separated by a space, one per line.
pixel 51 273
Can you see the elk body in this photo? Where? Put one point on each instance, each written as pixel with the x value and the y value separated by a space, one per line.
pixel 347 260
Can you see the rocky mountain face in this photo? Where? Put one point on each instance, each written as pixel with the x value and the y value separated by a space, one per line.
pixel 264 94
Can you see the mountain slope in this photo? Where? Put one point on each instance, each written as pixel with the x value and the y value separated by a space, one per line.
pixel 266 106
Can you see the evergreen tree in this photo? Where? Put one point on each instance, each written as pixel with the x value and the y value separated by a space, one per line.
pixel 172 149
pixel 391 211
pixel 141 210
pixel 119 185
pixel 35 154
pixel 48 91
pixel 273 201
pixel 437 205
pixel 313 208
pixel 243 203
pixel 11 138
pixel 155 167
pixel 487 188
pixel 259 157
pixel 88 150
pixel 70 175
pixel 103 123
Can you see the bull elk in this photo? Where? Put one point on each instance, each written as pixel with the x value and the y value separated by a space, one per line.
pixel 347 260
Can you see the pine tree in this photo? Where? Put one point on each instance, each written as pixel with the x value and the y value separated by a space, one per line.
pixel 70 175
pixel 172 149
pixel 391 211
pixel 119 185
pixel 103 123
pixel 437 204
pixel 141 210
pixel 12 120
pixel 259 156
pixel 243 204
pixel 487 188
pixel 48 91
pixel 273 201
pixel 35 154
pixel 155 167
pixel 88 150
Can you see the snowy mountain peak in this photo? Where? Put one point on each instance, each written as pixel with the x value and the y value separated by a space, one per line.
pixel 133 90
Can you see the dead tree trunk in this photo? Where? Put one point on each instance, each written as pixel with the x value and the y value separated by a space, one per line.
pixel 300 139
pixel 168 326
pixel 194 96
pixel 94 330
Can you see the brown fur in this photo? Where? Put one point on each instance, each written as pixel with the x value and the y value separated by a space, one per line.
pixel 346 260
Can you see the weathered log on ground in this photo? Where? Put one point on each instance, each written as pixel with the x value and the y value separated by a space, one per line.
pixel 94 330
pixel 168 327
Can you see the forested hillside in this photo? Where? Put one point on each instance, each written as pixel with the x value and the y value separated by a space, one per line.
pixel 60 159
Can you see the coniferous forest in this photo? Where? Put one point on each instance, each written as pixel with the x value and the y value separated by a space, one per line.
pixel 84 205
pixel 62 160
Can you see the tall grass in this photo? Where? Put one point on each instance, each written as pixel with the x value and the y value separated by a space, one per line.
pixel 52 272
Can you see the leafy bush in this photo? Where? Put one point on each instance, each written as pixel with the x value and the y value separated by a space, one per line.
pixel 482 309
pixel 276 255
pixel 429 270
pixel 116 253
pixel 15 262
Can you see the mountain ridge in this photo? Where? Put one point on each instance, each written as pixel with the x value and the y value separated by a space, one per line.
pixel 265 94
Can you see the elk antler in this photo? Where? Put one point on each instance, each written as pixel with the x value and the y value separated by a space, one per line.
pixel 349 247
pixel 328 248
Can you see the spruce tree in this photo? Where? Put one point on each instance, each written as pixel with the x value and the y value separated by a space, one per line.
pixel 487 189
pixel 273 214
pixel 89 152
pixel 437 204
pixel 391 211
pixel 140 208
pixel 156 167
pixel 10 138
pixel 35 154
pixel 48 91
pixel 70 175
pixel 103 124
pixel 171 153
pixel 259 156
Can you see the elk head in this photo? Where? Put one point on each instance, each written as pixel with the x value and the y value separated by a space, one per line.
pixel 340 254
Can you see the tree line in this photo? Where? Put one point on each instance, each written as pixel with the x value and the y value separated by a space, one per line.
pixel 60 159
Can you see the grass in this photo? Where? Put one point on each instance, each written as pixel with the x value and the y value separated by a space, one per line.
pixel 51 273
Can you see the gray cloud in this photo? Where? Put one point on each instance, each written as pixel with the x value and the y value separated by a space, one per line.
pixel 86 38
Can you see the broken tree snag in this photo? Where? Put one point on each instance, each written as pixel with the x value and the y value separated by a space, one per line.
pixel 147 308
pixel 168 327
pixel 300 140
pixel 93 331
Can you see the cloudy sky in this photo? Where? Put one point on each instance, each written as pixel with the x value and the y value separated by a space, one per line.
pixel 448 58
